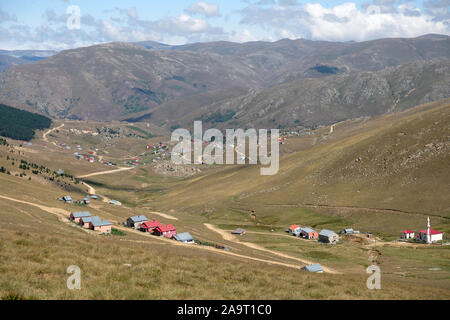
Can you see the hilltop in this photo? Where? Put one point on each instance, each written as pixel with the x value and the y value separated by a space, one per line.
pixel 121 80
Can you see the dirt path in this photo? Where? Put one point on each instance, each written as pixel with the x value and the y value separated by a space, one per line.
pixel 44 136
pixel 105 172
pixel 210 249
pixel 63 214
pixel 164 215
pixel 229 237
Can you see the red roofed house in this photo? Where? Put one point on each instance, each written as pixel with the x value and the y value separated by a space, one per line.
pixel 150 226
pixel 293 228
pixel 429 235
pixel 166 231
pixel 407 234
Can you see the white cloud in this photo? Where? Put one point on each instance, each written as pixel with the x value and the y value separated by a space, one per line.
pixel 204 8
pixel 353 24
pixel 264 20
pixel 344 22
pixel 185 23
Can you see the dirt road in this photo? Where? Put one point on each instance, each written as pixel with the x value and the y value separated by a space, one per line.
pixel 229 237
pixel 164 215
pixel 44 136
pixel 63 214
pixel 105 172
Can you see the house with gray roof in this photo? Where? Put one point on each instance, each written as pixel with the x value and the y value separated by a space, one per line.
pixel 184 237
pixel 67 199
pixel 103 226
pixel 86 221
pixel 317 268
pixel 347 231
pixel 136 221
pixel 76 216
pixel 328 236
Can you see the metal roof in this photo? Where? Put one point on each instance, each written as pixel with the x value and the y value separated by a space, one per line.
pixel 67 198
pixel 185 236
pixel 93 219
pixel 138 218
pixel 326 233
pixel 308 230
pixel 100 223
pixel 313 268
pixel 81 214
pixel 238 231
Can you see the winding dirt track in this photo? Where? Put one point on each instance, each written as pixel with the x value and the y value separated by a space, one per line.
pixel 105 172
pixel 44 136
pixel 63 214
pixel 229 237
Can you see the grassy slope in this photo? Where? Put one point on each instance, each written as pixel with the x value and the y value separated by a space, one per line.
pixel 42 247
pixel 326 180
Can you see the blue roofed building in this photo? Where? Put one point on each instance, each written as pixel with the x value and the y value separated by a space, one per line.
pixel 317 268
pixel 184 237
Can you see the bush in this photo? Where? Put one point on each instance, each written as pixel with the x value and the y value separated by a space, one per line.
pixel 116 232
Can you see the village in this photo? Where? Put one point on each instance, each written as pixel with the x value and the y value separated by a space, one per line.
pixel 141 223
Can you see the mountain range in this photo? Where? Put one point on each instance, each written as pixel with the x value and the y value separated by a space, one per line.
pixel 279 84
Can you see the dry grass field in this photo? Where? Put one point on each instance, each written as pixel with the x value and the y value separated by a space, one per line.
pixel 381 175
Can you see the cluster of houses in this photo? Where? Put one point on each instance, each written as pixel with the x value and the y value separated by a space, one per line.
pixel 80 132
pixel 156 228
pixel 325 236
pixel 87 221
pixel 427 235
pixel 86 200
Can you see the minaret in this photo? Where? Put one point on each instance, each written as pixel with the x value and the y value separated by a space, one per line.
pixel 428 231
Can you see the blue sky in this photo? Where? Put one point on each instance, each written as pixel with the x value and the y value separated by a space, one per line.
pixel 42 24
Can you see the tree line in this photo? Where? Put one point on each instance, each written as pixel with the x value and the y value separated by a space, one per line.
pixel 20 124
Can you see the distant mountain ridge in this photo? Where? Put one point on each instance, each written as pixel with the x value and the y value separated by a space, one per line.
pixel 150 80
pixel 9 58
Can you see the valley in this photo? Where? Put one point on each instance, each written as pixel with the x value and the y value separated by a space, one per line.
pixel 362 173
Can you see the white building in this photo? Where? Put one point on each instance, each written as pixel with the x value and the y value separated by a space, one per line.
pixel 408 234
pixel 429 235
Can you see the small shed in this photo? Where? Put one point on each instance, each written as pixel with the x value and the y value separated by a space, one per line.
pixel 86 200
pixel 184 237
pixel 317 268
pixel 67 199
pixel 76 216
pixel 328 236
pixel 347 231
pixel 115 202
pixel 238 231
pixel 136 221
pixel 94 197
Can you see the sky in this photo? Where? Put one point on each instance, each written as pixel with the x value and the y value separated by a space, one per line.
pixel 65 24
